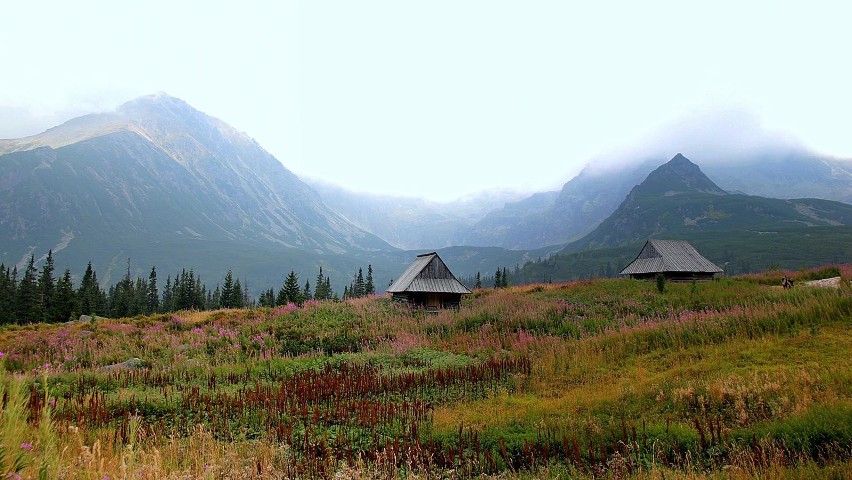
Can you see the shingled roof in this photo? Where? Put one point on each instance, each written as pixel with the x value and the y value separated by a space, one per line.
pixel 669 256
pixel 428 274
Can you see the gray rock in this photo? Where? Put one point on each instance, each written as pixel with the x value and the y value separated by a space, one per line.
pixel 132 364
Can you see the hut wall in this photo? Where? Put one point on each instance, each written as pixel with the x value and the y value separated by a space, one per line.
pixel 429 301
pixel 676 276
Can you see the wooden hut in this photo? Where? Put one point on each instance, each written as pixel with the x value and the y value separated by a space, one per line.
pixel 428 283
pixel 676 259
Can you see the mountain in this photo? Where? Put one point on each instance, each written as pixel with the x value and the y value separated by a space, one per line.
pixel 785 174
pixel 553 218
pixel 411 223
pixel 165 184
pixel 678 201
pixel 590 197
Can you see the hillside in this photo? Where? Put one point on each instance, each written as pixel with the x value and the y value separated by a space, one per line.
pixel 551 218
pixel 592 379
pixel 166 185
pixel 678 200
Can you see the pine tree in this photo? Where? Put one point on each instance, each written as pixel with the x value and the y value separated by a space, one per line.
pixel 498 279
pixel 65 299
pixel 153 293
pixel 478 281
pixel 369 288
pixel 29 307
pixel 46 288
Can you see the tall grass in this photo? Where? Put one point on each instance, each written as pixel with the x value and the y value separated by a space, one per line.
pixel 592 378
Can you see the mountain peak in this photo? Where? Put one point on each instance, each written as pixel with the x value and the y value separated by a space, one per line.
pixel 678 175
pixel 160 103
pixel 679 158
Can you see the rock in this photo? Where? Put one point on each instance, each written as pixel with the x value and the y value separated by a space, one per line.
pixel 833 282
pixel 131 364
pixel 85 319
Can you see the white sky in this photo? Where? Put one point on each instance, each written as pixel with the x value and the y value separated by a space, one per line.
pixel 441 98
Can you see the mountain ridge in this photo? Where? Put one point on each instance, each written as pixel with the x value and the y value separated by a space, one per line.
pixel 652 209
pixel 159 168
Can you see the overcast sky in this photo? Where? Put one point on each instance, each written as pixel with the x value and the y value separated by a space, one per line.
pixel 444 98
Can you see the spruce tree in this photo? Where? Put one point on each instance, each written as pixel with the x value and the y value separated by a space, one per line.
pixel 281 298
pixel 266 299
pixel 478 281
pixel 247 302
pixel 153 293
pixel 237 298
pixel 8 295
pixel 121 295
pixel 498 279
pixel 227 293
pixel 46 288
pixel 65 299
pixel 505 278
pixel 369 288
pixel 359 284
pixel 140 297
pixel 292 292
pixel 168 298
pixel 306 293
pixel 85 295
pixel 321 291
pixel 198 294
pixel 216 300
pixel 29 307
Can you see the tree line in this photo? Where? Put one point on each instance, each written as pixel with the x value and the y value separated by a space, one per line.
pixel 500 279
pixel 41 296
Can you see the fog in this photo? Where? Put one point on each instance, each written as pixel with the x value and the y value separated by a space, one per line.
pixel 709 136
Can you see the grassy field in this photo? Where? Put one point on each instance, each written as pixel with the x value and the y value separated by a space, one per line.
pixel 735 378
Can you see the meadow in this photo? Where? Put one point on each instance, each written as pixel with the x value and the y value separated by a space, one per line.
pixel 734 378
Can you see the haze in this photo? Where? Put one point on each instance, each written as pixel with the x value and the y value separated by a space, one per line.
pixel 443 99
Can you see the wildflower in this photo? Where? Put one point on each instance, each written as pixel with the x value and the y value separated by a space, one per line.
pixel 26 446
pixel 14 476
pixel 2 355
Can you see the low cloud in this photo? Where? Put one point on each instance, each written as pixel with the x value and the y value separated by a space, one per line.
pixel 707 136
pixel 22 117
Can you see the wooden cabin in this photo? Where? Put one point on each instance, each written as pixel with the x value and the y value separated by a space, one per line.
pixel 677 260
pixel 428 283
